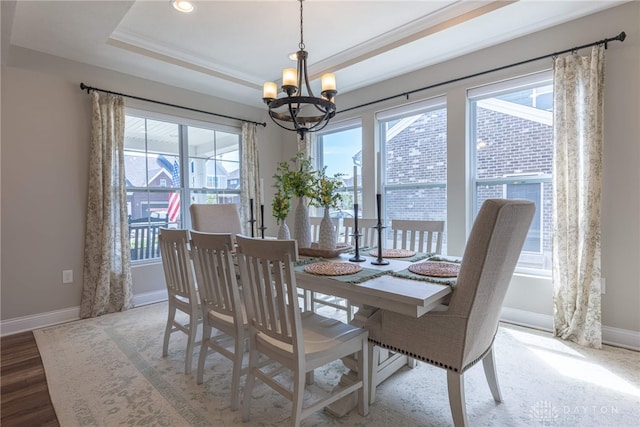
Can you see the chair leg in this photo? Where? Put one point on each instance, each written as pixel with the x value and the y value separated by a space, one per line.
pixel 297 397
pixel 374 360
pixel 455 385
pixel 248 385
pixel 411 362
pixel 489 364
pixel 167 332
pixel 238 351
pixel 309 304
pixel 309 378
pixel 204 349
pixel 191 339
pixel 363 375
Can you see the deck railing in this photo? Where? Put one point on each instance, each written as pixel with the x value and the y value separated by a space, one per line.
pixel 143 235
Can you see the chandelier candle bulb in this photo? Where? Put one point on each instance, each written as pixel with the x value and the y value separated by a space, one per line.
pixel 289 77
pixel 328 82
pixel 270 90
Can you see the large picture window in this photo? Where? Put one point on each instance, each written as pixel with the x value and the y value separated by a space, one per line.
pixel 414 159
pixel 512 146
pixel 170 164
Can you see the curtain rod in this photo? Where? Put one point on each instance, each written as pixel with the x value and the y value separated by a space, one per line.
pixel 619 37
pixel 89 89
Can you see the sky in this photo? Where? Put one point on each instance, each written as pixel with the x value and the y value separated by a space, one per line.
pixel 339 149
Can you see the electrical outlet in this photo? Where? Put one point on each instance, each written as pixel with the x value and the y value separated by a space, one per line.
pixel 67 276
pixel 603 286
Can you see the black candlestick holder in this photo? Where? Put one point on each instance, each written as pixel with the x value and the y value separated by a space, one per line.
pixel 252 220
pixel 379 227
pixel 356 236
pixel 262 226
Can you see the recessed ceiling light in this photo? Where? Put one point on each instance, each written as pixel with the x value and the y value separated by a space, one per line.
pixel 184 6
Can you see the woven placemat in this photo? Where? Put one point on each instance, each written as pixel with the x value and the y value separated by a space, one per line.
pixel 332 268
pixel 393 253
pixel 435 269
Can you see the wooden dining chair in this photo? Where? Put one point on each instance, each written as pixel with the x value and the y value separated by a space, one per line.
pixel 418 235
pixel 181 289
pixel 222 305
pixel 462 334
pixel 315 221
pixel 298 341
pixel 366 228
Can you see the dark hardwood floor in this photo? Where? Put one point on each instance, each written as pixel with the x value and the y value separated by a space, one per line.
pixel 25 399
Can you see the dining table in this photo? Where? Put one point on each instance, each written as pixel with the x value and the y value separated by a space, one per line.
pixel 377 287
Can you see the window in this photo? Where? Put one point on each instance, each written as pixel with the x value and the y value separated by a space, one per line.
pixel 414 159
pixel 214 165
pixel 340 149
pixel 168 162
pixel 511 131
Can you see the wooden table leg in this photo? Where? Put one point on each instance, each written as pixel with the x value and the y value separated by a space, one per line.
pixel 382 364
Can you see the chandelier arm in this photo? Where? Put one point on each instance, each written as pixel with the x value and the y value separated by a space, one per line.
pixel 306 77
pixel 293 113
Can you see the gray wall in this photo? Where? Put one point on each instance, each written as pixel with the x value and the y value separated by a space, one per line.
pixel 45 136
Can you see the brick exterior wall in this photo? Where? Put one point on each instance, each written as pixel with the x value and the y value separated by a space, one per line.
pixel 510 145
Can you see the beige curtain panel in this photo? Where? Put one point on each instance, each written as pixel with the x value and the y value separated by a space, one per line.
pixel 107 253
pixel 577 170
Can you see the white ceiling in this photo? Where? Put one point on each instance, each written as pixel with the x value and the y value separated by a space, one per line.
pixel 229 48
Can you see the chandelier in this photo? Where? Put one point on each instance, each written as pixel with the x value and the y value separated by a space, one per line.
pixel 297 111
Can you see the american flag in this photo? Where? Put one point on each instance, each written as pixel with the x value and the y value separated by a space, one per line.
pixel 174 199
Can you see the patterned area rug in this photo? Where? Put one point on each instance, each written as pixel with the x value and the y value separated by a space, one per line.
pixel 109 371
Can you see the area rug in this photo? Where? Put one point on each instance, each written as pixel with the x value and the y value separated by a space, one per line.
pixel 109 371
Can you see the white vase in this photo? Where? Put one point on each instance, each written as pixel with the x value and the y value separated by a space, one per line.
pixel 302 227
pixel 283 231
pixel 327 235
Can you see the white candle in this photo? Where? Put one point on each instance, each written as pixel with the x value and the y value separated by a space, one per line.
pixel 379 183
pixel 270 90
pixel 355 184
pixel 290 77
pixel 328 82
pixel 261 191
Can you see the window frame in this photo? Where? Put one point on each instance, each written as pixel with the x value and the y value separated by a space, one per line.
pixel 318 150
pixel 489 90
pixel 185 189
pixel 401 112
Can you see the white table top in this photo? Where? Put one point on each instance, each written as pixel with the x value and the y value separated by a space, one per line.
pixel 405 296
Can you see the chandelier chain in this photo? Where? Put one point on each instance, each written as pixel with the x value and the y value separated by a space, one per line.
pixel 301 44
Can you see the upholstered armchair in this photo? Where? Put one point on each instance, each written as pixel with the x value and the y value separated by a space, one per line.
pixel 216 218
pixel 461 335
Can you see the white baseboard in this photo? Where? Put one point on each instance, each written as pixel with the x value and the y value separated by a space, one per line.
pixel 611 336
pixel 149 298
pixel 37 321
pixel 527 318
pixel 621 338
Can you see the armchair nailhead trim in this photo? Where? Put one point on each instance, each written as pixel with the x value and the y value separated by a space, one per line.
pixel 415 356
pixel 432 362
